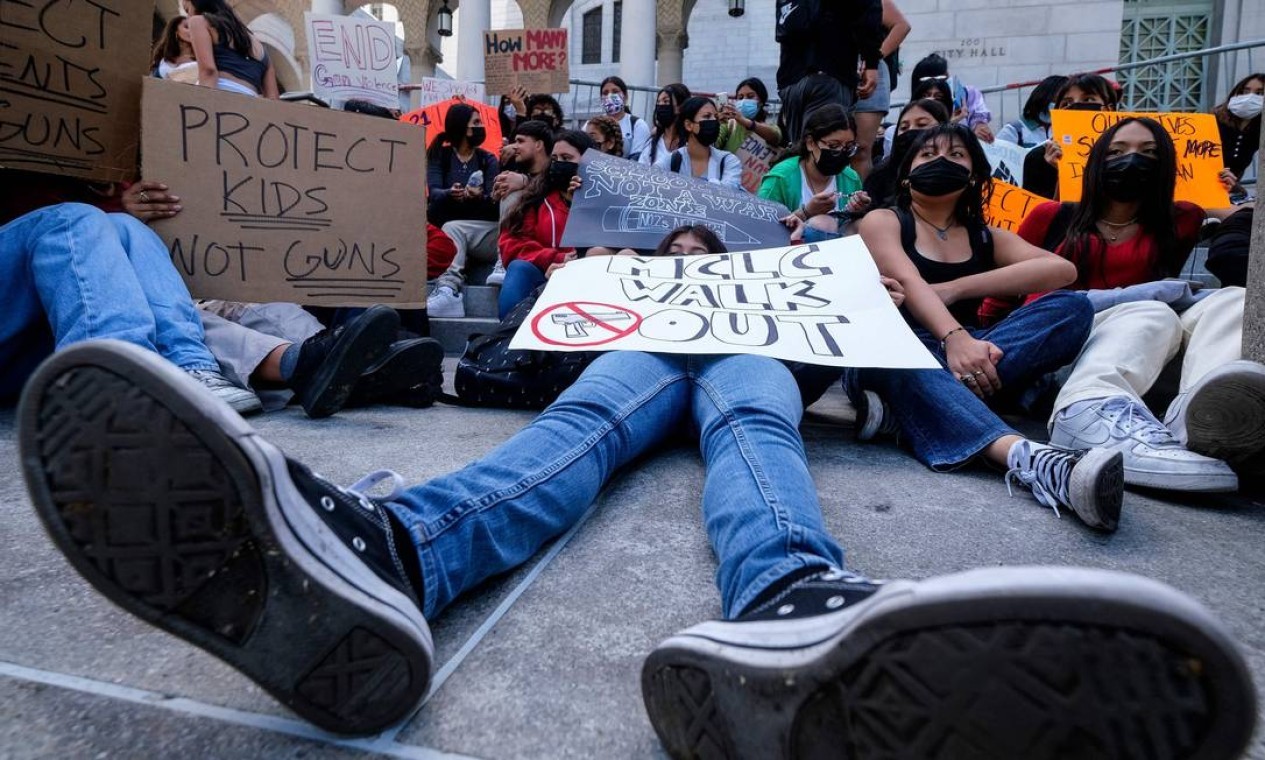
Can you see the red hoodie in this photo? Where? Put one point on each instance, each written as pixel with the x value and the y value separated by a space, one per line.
pixel 537 242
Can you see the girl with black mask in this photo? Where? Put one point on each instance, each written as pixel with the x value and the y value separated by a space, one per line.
pixel 698 124
pixel 665 138
pixel 915 117
pixel 936 243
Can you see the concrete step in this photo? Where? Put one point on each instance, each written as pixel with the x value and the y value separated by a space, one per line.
pixel 453 333
pixel 480 300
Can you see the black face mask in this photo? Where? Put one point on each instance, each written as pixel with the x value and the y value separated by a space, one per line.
pixel 832 162
pixel 561 172
pixel 664 115
pixel 1086 107
pixel 1126 177
pixel 939 177
pixel 708 131
pixel 477 136
pixel 902 143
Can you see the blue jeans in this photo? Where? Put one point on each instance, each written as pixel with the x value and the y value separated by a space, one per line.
pixel 521 278
pixel 71 272
pixel 760 506
pixel 943 421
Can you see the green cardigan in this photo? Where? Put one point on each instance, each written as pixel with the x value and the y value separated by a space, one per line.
pixel 784 182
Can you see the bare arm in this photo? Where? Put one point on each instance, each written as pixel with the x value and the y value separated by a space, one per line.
pixel 898 28
pixel 203 51
pixel 271 90
pixel 1022 268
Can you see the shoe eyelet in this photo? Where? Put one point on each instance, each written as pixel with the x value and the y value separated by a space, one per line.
pixel 785 609
pixel 359 543
pixel 832 575
pixel 327 503
pixel 834 602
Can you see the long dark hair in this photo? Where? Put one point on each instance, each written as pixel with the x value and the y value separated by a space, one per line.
pixel 538 188
pixel 618 82
pixel 820 122
pixel 881 184
pixel 969 211
pixel 456 122
pixel 1091 83
pixel 704 234
pixel 689 109
pixel 923 91
pixel 1222 112
pixel 167 48
pixel 1042 96
pixel 1155 213
pixel 232 31
pixel 933 107
pixel 678 94
pixel 761 92
pixel 610 132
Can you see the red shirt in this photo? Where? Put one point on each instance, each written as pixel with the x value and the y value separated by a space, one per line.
pixel 538 242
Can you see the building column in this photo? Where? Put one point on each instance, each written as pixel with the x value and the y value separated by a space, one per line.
pixel 671 57
pixel 328 7
pixel 637 43
pixel 476 18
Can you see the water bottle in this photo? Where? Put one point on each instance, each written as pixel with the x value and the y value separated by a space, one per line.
pixel 475 181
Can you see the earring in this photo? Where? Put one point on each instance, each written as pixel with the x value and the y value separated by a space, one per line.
pixel 904 183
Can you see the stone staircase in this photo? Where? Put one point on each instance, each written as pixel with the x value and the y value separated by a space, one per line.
pixel 480 301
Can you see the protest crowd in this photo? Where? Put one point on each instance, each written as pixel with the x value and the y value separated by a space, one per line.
pixel 1076 314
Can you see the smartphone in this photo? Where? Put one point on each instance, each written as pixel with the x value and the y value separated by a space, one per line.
pixel 722 99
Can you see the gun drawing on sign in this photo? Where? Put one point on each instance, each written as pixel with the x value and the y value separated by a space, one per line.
pixel 577 325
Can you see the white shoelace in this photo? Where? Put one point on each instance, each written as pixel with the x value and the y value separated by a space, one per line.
pixel 1129 418
pixel 1047 465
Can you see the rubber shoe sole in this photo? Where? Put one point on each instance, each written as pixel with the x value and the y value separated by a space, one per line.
pixel 171 506
pixel 405 365
pixel 363 341
pixel 1097 488
pixel 1034 663
pixel 1225 419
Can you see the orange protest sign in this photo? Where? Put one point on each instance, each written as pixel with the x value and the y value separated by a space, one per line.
pixel 1198 142
pixel 432 118
pixel 1010 205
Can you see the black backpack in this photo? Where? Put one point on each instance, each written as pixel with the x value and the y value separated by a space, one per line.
pixel 678 159
pixel 491 374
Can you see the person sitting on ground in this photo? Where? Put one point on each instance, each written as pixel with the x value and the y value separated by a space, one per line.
pixel 813 177
pixel 229 57
pixel 747 112
pixel 665 137
pixel 918 115
pixel 1239 122
pixel 529 151
pixel 1125 236
pixel 635 132
pixel 605 134
pixel 459 174
pixel 935 243
pixel 967 103
pixel 173 57
pixel 1032 128
pixel 698 156
pixel 1081 92
pixel 1230 247
pixel 931 89
pixel 870 111
pixel 299 582
pixel 531 233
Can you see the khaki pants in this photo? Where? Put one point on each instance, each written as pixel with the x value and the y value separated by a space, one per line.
pixel 471 238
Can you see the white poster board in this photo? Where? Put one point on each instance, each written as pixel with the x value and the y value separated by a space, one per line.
pixel 353 58
pixel 435 90
pixel 1006 159
pixel 820 304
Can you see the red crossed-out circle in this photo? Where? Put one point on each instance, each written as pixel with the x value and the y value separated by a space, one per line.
pixel 584 309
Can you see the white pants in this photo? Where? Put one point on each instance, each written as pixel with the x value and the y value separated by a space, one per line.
pixel 1131 343
pixel 241 335
pixel 471 238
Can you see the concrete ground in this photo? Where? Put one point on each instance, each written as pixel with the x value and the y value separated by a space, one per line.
pixel 544 662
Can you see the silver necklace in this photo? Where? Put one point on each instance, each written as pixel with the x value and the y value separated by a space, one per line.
pixel 941 232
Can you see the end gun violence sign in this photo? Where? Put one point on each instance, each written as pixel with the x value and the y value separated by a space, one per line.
pixel 285 202
pixel 352 59
pixel 816 303
pixel 70 85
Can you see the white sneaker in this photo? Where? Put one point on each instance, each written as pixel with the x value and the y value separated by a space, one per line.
pixel 243 400
pixel 1152 457
pixel 445 302
pixel 1090 483
pixel 1223 415
pixel 497 275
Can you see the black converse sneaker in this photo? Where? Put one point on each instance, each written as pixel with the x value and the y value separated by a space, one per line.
pixel 332 361
pixel 1089 481
pixel 410 373
pixel 875 418
pixel 173 507
pixel 1034 663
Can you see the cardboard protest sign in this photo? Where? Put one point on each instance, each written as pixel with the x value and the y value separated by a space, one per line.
pixel 1009 206
pixel 1006 158
pixel 436 90
pixel 820 303
pixel 353 58
pixel 287 203
pixel 533 58
pixel 70 85
pixel 432 118
pixel 757 158
pixel 624 204
pixel 1198 142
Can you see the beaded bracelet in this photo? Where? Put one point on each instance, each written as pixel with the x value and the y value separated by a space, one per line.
pixel 946 337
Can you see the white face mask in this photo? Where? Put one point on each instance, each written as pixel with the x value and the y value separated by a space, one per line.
pixel 1246 106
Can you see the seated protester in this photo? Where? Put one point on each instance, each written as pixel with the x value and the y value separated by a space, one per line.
pixel 634 132
pixel 605 134
pixel 531 232
pixel 229 57
pixel 935 243
pixel 747 113
pixel 1081 92
pixel 813 178
pixel 914 117
pixel 1125 236
pixel 173 57
pixel 698 157
pixel 1229 248
pixel 967 103
pixel 932 89
pixel 666 136
pixel 1239 122
pixel 529 151
pixel 1032 128
pixel 542 107
pixel 459 175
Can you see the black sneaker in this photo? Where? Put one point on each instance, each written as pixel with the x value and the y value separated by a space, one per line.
pixel 1036 663
pixel 875 418
pixel 332 361
pixel 410 373
pixel 173 507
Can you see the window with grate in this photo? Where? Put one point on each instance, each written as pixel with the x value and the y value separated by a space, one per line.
pixel 591 37
pixel 1155 28
pixel 617 28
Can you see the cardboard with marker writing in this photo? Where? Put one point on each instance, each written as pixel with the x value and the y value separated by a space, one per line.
pixel 1009 205
pixel 287 203
pixel 820 304
pixel 70 86
pixel 1198 142
pixel 533 58
pixel 756 158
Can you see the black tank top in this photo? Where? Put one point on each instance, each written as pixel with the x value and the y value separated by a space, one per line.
pixel 965 312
